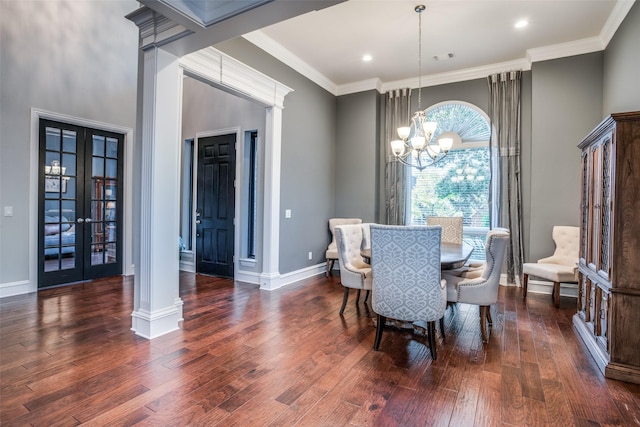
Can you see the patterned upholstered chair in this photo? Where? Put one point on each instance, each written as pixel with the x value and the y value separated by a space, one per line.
pixel 561 267
pixel 354 272
pixel 331 254
pixel 406 277
pixel 482 290
pixel 451 228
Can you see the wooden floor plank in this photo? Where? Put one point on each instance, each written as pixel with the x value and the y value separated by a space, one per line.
pixel 286 357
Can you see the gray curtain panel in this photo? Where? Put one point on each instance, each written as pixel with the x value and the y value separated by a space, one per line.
pixel 397 106
pixel 506 200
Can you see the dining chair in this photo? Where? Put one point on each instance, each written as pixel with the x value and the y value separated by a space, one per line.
pixel 354 272
pixel 405 262
pixel 451 228
pixel 482 290
pixel 331 254
pixel 561 267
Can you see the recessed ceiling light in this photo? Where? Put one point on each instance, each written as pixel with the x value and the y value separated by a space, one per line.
pixel 522 23
pixel 367 58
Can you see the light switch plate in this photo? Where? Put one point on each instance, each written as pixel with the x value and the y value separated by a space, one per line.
pixel 287 213
pixel 8 211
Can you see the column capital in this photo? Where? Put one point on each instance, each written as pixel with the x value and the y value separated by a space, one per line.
pixel 156 29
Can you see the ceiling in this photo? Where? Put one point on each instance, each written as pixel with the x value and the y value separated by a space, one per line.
pixel 328 45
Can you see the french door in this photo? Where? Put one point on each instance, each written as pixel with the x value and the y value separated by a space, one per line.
pixel 80 203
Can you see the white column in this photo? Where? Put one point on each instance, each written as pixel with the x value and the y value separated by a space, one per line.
pixel 270 276
pixel 157 305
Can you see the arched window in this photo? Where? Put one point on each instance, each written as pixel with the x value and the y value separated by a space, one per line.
pixel 459 184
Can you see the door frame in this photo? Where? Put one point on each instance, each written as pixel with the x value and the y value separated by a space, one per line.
pixel 237 188
pixel 127 223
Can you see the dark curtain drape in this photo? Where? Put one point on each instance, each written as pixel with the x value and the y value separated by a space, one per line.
pixel 506 199
pixel 397 105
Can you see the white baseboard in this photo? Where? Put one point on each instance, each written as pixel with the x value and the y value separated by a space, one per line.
pixel 16 288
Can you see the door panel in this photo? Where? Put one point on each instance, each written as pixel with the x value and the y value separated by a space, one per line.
pixel 215 205
pixel 79 232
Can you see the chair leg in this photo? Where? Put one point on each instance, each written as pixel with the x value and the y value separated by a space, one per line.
pixel 432 339
pixel 442 327
pixel 366 296
pixel 556 294
pixel 483 322
pixel 489 319
pixel 344 299
pixel 525 282
pixel 358 297
pixel 381 321
pixel 328 267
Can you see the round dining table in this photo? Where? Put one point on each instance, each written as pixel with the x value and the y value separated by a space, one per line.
pixel 451 255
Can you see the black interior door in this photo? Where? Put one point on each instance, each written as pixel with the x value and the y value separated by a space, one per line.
pixel 215 210
pixel 80 203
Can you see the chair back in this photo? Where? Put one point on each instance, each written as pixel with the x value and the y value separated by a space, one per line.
pixel 451 228
pixel 334 222
pixel 495 251
pixel 567 240
pixel 366 235
pixel 349 239
pixel 406 272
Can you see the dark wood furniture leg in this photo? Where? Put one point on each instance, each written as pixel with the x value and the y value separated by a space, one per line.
pixel 381 321
pixel 344 300
pixel 525 282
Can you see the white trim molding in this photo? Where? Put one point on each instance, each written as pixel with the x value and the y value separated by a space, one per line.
pixel 216 67
pixel 16 288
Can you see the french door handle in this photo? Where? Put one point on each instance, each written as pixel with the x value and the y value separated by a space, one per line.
pixel 88 220
pixel 80 220
pixel 197 221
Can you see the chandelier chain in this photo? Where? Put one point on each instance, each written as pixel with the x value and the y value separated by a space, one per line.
pixel 419 10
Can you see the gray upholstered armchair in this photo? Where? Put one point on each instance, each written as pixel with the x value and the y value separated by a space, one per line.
pixel 561 267
pixel 354 272
pixel 482 290
pixel 331 255
pixel 406 277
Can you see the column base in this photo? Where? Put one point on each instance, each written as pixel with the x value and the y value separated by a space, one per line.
pixel 152 325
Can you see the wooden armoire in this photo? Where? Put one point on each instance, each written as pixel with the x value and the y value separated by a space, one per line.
pixel 608 316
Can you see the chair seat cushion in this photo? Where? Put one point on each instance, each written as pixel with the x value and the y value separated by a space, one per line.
pixel 331 254
pixel 553 272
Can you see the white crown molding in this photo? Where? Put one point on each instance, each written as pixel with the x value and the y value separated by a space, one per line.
pixel 616 17
pixel 561 50
pixel 279 52
pixel 458 75
pixel 360 86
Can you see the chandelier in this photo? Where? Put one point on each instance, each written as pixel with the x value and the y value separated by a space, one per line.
pixel 416 147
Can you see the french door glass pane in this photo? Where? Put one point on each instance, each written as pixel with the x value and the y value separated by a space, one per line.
pixel 103 199
pixel 59 213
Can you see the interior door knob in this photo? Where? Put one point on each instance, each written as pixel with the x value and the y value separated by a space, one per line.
pixel 197 221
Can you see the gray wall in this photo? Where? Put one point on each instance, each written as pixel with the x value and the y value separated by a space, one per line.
pixel 622 67
pixel 356 156
pixel 566 105
pixel 59 56
pixel 308 158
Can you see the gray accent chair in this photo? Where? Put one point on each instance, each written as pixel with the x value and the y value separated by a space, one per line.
pixel 354 272
pixel 331 254
pixel 406 277
pixel 482 290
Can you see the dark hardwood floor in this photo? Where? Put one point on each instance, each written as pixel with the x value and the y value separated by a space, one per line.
pixel 246 357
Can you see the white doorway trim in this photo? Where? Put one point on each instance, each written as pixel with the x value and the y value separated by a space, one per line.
pixel 227 73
